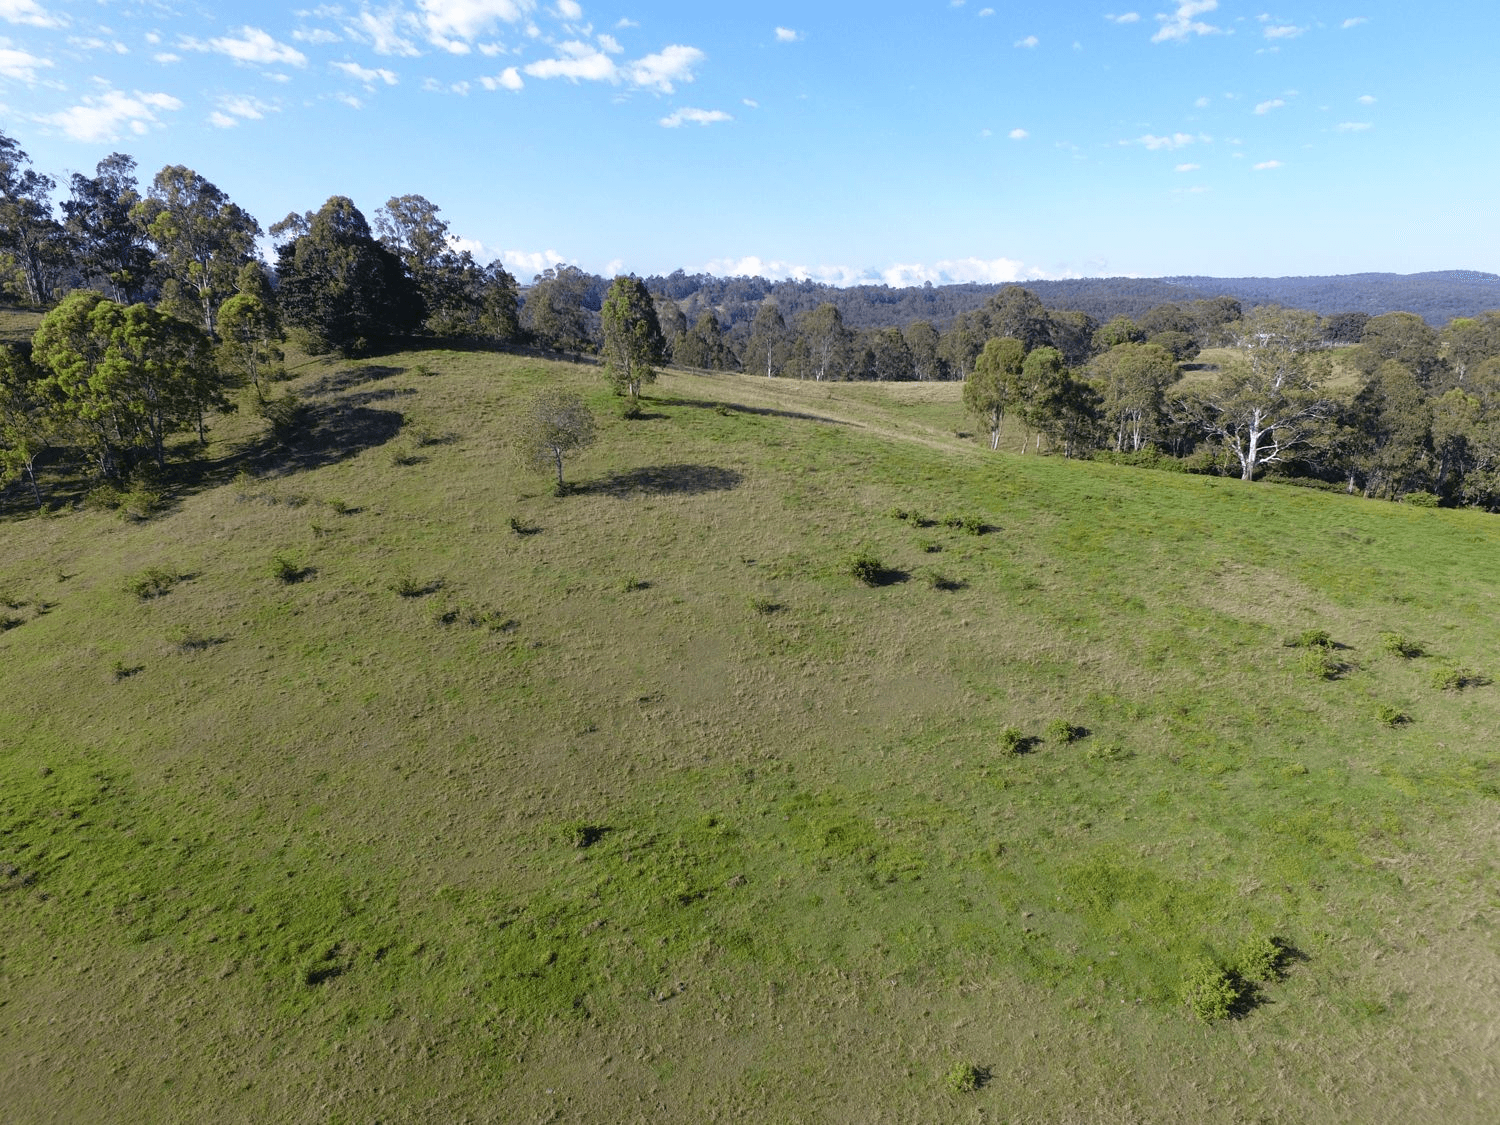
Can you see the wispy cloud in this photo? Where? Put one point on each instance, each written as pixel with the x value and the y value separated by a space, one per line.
pixel 1267 165
pixel 1354 126
pixel 787 35
pixel 365 74
pixel 454 24
pixel 508 79
pixel 681 117
pixel 20 65
pixel 1366 99
pixel 1266 107
pixel 667 67
pixel 1184 23
pixel 1126 17
pixel 1176 140
pixel 1029 42
pixel 1187 167
pixel 232 110
pixel 661 71
pixel 1018 134
pixel 253 47
pixel 1283 31
pixel 112 113
pixel 1353 21
pixel 30 14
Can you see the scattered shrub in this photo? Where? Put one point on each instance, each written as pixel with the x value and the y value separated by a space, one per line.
pixel 141 502
pixel 581 834
pixel 1311 638
pixel 1060 730
pixel 971 525
pixel 287 415
pixel 1454 677
pixel 763 606
pixel 1211 992
pixel 630 584
pixel 865 567
pixel 403 456
pixel 930 547
pixel 1398 645
pixel 631 408
pixel 963 1078
pixel 937 580
pixel 406 586
pixel 152 583
pixel 1260 960
pixel 1012 741
pixel 119 670
pixel 1391 716
pixel 1109 752
pixel 339 507
pixel 287 570
pixel 1421 500
pixel 1320 664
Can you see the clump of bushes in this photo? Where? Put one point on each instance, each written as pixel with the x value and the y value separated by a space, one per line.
pixel 1013 741
pixel 1312 639
pixel 287 569
pixel 964 1078
pixel 1391 715
pixel 1455 677
pixel 1060 730
pixel 582 834
pixel 152 583
pixel 1398 645
pixel 864 566
pixel 1320 664
pixel 1213 991
pixel 971 525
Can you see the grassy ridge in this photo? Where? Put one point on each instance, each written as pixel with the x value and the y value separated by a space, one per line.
pixel 311 848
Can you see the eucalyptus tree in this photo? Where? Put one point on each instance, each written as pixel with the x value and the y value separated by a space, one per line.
pixel 1132 380
pixel 632 340
pixel 769 347
pixel 109 247
pixel 250 332
pixel 28 231
pixel 995 385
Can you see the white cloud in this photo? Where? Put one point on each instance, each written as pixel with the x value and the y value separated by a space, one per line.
pixel 577 61
pixel 609 44
pixel 233 110
pixel 1354 21
pixel 165 57
pixel 105 117
pixel 29 13
pixel 624 22
pixel 1201 103
pixel 508 79
pixel 317 36
pixel 984 12
pixel 384 30
pixel 1127 17
pixel 1267 165
pixel 1029 42
pixel 1176 140
pixel 693 116
pixel 253 47
pixel 1018 134
pixel 20 65
pixel 449 22
pixel 349 100
pixel 668 66
pixel 1187 167
pixel 1366 99
pixel 1284 31
pixel 751 102
pixel 570 9
pixel 366 75
pixel 1354 126
pixel 1266 107
pixel 1184 22
pixel 952 271
pixel 787 35
pixel 529 263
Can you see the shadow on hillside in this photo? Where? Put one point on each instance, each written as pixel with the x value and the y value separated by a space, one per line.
pixel 350 377
pixel 740 408
pixel 664 480
pixel 328 433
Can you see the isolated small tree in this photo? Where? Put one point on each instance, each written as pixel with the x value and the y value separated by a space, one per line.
pixel 554 424
pixel 995 384
pixel 633 343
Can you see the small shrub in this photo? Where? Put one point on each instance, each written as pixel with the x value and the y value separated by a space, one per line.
pixel 287 415
pixel 403 456
pixel 763 606
pixel 405 586
pixel 339 507
pixel 972 525
pixel 631 584
pixel 1421 500
pixel 1311 638
pixel 865 567
pixel 287 570
pixel 937 580
pixel 930 547
pixel 1320 664
pixel 119 670
pixel 141 502
pixel 104 498
pixel 516 525
pixel 152 583
pixel 1211 992
pixel 1454 677
pixel 1012 741
pixel 423 370
pixel 581 834
pixel 1109 752
pixel 1391 716
pixel 190 640
pixel 1260 960
pixel 963 1078
pixel 1398 645
pixel 1060 730
pixel 631 409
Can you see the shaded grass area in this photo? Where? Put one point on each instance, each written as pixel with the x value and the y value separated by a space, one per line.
pixel 513 804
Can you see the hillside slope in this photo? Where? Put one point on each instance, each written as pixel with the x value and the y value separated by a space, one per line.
pixel 412 790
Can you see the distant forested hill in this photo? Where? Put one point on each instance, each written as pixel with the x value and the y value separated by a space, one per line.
pixel 1436 297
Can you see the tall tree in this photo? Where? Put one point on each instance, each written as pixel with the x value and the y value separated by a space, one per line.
pixel 1405 338
pixel 994 387
pixel 1395 424
pixel 1266 405
pixel 250 332
pixel 28 230
pixel 924 343
pixel 633 344
pixel 827 341
pixel 27 425
pixel 890 355
pixel 109 246
pixel 343 289
pixel 1132 380
pixel 768 350
pixel 554 311
pixel 201 240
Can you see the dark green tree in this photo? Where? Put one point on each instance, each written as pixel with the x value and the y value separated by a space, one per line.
pixel 633 345
pixel 890 355
pixel 1132 381
pixel 342 289
pixel 109 247
pixel 250 332
pixel 924 343
pixel 995 385
pixel 28 425
pixel 555 313
pixel 826 341
pixel 769 346
pixel 28 231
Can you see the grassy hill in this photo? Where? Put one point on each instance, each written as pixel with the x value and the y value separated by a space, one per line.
pixel 370 780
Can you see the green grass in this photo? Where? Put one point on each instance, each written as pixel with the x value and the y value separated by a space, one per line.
pixel 516 805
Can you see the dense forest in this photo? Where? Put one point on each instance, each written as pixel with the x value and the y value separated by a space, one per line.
pixel 159 311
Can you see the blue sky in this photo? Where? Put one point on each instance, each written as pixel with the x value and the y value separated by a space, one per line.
pixel 941 140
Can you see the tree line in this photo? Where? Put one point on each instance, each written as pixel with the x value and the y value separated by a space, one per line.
pixel 159 307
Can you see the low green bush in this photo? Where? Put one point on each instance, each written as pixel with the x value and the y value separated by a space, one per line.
pixel 864 566
pixel 1211 992
pixel 152 583
pixel 963 1078
pixel 1398 645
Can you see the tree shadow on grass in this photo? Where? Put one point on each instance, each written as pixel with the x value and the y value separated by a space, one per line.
pixel 664 480
pixel 347 378
pixel 327 434
pixel 741 408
